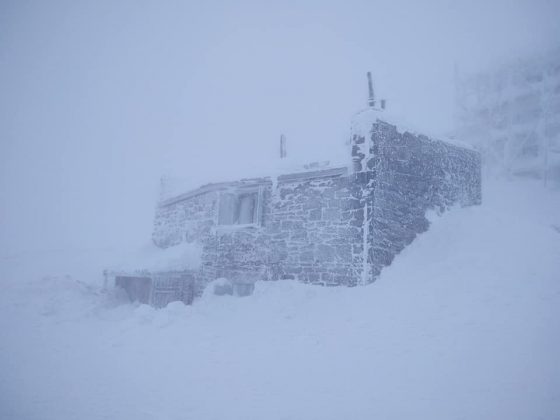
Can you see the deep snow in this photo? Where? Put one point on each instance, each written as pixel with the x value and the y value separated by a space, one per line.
pixel 464 325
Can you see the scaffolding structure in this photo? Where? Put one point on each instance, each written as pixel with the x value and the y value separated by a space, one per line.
pixel 512 115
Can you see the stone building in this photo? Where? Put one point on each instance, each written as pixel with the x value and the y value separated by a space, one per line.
pixel 330 226
pixel 335 225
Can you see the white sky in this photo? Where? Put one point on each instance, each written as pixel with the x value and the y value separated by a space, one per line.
pixel 100 98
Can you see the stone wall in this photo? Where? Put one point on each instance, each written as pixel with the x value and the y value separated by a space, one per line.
pixel 315 229
pixel 311 230
pixel 411 175
pixel 187 218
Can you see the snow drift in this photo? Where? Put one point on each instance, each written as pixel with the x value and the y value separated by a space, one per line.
pixel 463 325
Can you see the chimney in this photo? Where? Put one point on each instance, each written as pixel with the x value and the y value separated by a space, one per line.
pixel 282 146
pixel 371 99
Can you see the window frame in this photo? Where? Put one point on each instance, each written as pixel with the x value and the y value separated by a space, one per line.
pixel 237 193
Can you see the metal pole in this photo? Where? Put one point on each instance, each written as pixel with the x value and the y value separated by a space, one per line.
pixel 371 98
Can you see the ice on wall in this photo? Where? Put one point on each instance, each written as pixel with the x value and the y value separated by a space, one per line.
pixel 327 226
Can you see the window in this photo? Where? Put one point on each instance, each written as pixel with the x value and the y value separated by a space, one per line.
pixel 240 208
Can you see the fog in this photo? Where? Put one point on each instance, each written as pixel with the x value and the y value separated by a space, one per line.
pixel 99 99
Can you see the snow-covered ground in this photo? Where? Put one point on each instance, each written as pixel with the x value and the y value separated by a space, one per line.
pixel 464 325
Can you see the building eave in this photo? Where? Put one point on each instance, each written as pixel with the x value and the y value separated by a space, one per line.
pixel 254 182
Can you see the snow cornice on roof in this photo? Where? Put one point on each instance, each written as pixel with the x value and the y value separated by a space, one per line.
pixel 255 182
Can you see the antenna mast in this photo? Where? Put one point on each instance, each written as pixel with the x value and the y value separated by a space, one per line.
pixel 371 98
pixel 282 146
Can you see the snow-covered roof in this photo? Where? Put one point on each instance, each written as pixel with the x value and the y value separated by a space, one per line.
pixel 289 169
pixel 363 121
pixel 172 192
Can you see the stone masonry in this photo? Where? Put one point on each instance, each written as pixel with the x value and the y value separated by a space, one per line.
pixel 334 226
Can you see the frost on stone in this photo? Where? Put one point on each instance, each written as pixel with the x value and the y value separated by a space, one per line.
pixel 327 225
